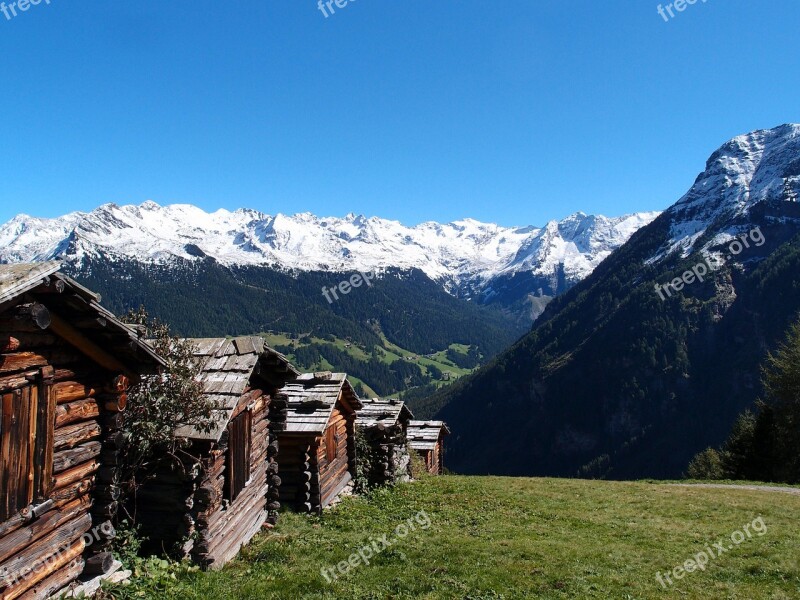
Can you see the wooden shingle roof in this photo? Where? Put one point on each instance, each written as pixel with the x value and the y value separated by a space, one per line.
pixel 228 365
pixel 377 411
pixel 70 303
pixel 15 280
pixel 423 435
pixel 312 398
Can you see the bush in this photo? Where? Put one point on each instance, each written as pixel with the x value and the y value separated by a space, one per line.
pixel 418 469
pixel 152 578
pixel 706 465
pixel 364 460
pixel 737 452
pixel 159 405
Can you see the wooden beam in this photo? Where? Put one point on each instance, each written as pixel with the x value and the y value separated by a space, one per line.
pixel 51 286
pixel 87 346
pixel 25 317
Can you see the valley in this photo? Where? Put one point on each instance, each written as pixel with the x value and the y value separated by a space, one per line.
pixel 384 370
pixel 548 349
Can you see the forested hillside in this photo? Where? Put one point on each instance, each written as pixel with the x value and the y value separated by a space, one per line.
pixel 378 370
pixel 613 382
pixel 651 358
pixel 203 298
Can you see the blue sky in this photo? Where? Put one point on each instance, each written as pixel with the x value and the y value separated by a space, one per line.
pixel 512 111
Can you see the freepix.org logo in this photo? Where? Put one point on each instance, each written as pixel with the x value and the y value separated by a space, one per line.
pixel 12 9
pixel 670 11
pixel 711 264
pixel 700 561
pixel 328 7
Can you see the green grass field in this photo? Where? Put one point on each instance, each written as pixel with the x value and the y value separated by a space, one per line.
pixel 387 354
pixel 492 537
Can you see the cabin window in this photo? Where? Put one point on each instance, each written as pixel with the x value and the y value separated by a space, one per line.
pixel 238 457
pixel 330 443
pixel 26 448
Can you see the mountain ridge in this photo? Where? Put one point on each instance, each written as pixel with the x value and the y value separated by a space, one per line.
pixel 466 256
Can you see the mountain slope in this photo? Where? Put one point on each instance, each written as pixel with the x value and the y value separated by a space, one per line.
pixel 613 381
pixel 204 298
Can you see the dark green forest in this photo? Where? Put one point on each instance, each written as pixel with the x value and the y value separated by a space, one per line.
pixel 204 299
pixel 762 445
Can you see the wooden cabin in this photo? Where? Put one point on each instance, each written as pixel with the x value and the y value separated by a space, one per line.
pixel 384 425
pixel 65 365
pixel 318 453
pixel 227 487
pixel 427 439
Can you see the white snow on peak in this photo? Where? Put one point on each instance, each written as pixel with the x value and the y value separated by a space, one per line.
pixel 762 166
pixel 463 251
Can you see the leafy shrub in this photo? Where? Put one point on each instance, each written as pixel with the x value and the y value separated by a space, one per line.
pixel 152 578
pixel 706 465
pixel 127 543
pixel 418 469
pixel 160 404
pixel 364 460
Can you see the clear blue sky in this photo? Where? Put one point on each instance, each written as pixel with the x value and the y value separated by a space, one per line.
pixel 513 111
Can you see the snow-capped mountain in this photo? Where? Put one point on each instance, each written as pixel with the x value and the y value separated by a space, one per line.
pixel 464 256
pixel 751 172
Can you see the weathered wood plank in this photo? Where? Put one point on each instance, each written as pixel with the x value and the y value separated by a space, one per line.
pixel 79 489
pixel 77 410
pixel 61 558
pixel 66 459
pixel 21 361
pixel 73 435
pixel 45 434
pixel 49 522
pixel 56 582
pixel 67 391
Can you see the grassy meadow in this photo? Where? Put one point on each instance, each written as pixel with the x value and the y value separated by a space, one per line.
pixel 494 537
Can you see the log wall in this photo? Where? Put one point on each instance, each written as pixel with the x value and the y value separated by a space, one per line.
pixel 69 454
pixel 309 481
pixel 390 462
pixel 437 462
pixel 434 459
pixel 186 508
pixel 297 462
pixel 224 526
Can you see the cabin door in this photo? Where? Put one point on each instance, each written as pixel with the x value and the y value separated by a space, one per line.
pixel 27 419
pixel 238 458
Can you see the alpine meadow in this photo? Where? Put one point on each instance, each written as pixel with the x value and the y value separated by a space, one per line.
pixel 400 300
